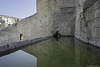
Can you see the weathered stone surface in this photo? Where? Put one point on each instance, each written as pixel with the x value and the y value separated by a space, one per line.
pixel 97 22
pixel 79 10
pixel 65 23
pixel 10 46
pixel 97 13
pixel 92 41
pixel 94 33
pixel 97 42
pixel 87 16
pixel 91 17
pixel 88 3
pixel 42 23
pixel 70 17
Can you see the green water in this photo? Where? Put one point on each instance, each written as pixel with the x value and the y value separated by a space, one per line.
pixel 66 52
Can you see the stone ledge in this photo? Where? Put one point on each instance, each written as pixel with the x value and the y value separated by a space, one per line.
pixel 6 48
pixel 94 45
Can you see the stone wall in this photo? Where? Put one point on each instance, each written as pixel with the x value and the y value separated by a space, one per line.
pixel 43 23
pixel 79 23
pixel 64 20
pixel 88 3
pixel 36 26
pixel 28 28
pixel 92 15
pixel 88 26
pixel 61 15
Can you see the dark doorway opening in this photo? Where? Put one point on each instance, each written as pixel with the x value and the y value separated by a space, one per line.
pixel 57 35
pixel 21 37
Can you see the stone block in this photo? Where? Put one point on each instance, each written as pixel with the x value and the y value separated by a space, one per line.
pixel 97 4
pixel 87 16
pixel 91 16
pixel 65 31
pixel 91 8
pixel 67 4
pixel 83 37
pixel 93 41
pixel 88 3
pixel 85 30
pixel 94 33
pixel 98 32
pixel 69 1
pixel 89 25
pixel 97 13
pixel 97 22
pixel 68 9
pixel 92 25
pixel 98 42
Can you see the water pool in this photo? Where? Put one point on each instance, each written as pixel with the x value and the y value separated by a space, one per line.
pixel 65 52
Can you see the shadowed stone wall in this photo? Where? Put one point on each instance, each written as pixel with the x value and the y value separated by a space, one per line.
pixel 64 20
pixel 88 25
pixel 78 23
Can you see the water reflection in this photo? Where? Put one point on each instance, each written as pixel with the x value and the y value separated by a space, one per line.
pixel 18 59
pixel 66 52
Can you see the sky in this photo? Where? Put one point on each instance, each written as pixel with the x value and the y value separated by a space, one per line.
pixel 17 8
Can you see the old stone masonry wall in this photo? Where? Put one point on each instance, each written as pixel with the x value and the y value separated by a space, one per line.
pixel 51 15
pixel 79 18
pixel 88 29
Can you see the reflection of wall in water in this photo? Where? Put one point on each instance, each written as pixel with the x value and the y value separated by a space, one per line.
pixel 86 55
pixel 65 52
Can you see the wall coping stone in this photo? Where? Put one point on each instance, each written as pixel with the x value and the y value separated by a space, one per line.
pixel 11 47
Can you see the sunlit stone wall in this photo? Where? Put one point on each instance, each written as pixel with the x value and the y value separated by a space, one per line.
pixel 79 18
pixel 7 20
pixel 43 23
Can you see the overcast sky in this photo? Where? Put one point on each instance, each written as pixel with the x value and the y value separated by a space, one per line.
pixel 17 8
